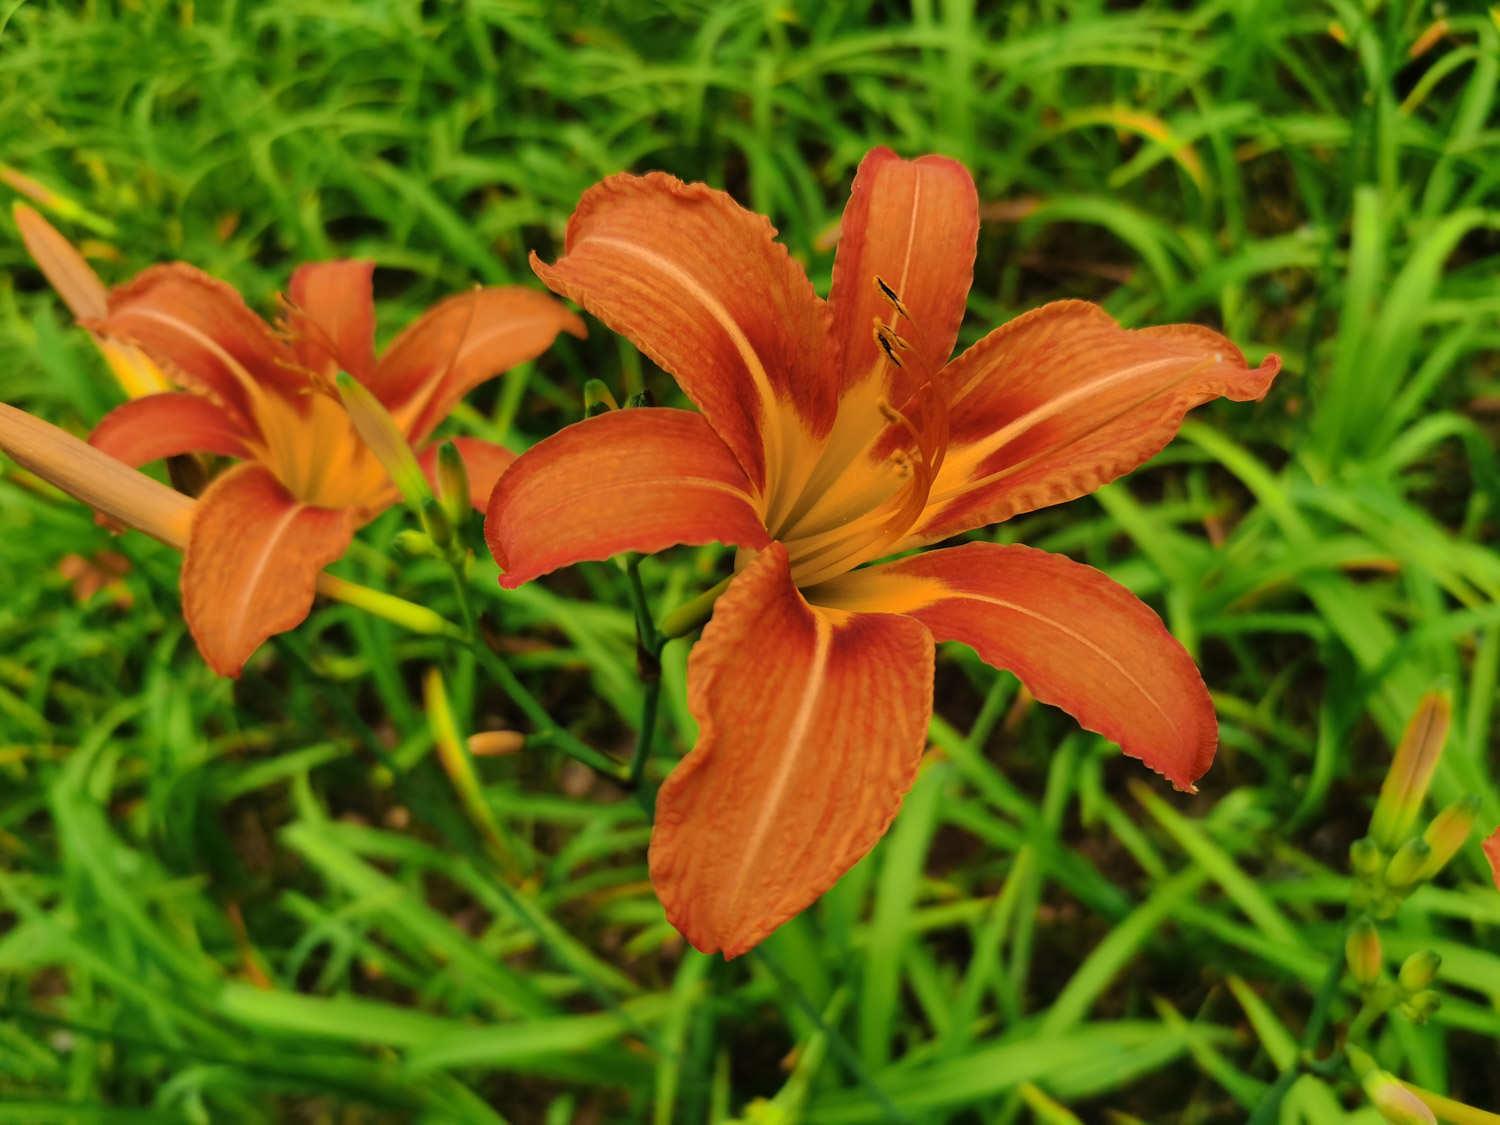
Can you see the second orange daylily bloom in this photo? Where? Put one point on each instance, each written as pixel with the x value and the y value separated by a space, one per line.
pixel 1492 853
pixel 263 529
pixel 829 435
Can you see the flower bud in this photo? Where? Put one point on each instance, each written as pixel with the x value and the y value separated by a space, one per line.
pixel 1448 832
pixel 452 483
pixel 435 522
pixel 386 441
pixel 1407 780
pixel 415 544
pixel 1396 1103
pixel 1366 859
pixel 1407 864
pixel 1419 970
pixel 1362 951
pixel 1422 1007
pixel 597 398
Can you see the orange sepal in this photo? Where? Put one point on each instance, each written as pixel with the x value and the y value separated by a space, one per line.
pixel 164 425
pixel 914 224
pixel 627 480
pixel 330 317
pixel 1492 853
pixel 702 287
pixel 1076 638
pixel 1062 400
pixel 252 563
pixel 458 344
pixel 484 461
pixel 811 727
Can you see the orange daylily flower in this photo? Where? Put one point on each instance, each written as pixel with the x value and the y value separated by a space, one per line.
pixel 830 435
pixel 1492 853
pixel 264 528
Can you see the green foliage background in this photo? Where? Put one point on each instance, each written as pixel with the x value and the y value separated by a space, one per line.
pixel 1044 926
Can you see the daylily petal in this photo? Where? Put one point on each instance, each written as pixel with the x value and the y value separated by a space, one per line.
pixel 1062 400
pixel 484 461
pixel 1077 639
pixel 914 224
pixel 458 344
pixel 202 332
pixel 252 563
pixel 1492 853
pixel 331 317
pixel 164 425
pixel 811 727
pixel 702 287
pixel 628 480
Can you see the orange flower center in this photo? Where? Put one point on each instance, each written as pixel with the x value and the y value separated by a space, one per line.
pixel 866 484
pixel 314 450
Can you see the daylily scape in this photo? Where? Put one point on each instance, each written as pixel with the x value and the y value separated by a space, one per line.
pixel 828 436
pixel 264 394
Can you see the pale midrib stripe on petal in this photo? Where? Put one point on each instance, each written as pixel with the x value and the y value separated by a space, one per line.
pixel 770 431
pixel 962 462
pixel 268 548
pixel 796 735
pixel 644 482
pixel 1081 639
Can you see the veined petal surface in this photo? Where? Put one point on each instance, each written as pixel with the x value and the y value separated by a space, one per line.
pixel 811 728
pixel 459 343
pixel 914 224
pixel 627 480
pixel 251 566
pixel 703 288
pixel 1075 637
pixel 164 425
pixel 331 317
pixel 202 332
pixel 1062 400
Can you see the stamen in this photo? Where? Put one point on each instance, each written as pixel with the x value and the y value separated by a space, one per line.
pixel 890 295
pixel 886 346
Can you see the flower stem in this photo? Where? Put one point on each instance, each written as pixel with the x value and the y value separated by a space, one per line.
pixel 1269 1109
pixel 648 646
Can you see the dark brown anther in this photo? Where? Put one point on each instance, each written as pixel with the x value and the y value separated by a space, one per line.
pixel 890 295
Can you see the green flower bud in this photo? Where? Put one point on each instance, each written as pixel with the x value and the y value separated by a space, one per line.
pixel 435 522
pixel 415 544
pixel 1421 1007
pixel 1407 864
pixel 452 483
pixel 1366 859
pixel 1419 970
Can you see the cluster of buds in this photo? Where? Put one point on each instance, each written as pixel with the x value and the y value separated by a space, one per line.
pixel 1393 859
pixel 1410 992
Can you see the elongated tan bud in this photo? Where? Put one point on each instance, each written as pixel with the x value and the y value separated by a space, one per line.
pixel 99 480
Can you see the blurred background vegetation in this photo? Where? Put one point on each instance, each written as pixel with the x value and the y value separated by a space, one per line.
pixel 263 900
